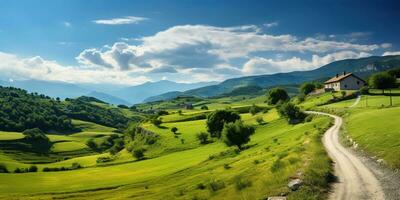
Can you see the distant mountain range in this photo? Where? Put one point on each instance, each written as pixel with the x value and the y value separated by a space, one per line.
pixel 162 90
pixel 362 67
pixel 126 95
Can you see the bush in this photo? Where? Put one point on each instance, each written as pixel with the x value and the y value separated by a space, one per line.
pixel 174 130
pixel 200 186
pixel 202 137
pixel 204 107
pixel 254 109
pixel 156 121
pixel 104 159
pixel 242 183
pixel 292 113
pixel 217 119
pixel 260 120
pixel 277 94
pixel 364 90
pixel 139 153
pixel 38 139
pixel 3 169
pixel 33 168
pixel 91 144
pixel 162 112
pixel 237 134
pixel 277 165
pixel 123 106
pixel 307 88
pixel 216 185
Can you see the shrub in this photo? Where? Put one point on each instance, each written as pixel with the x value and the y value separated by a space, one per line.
pixel 309 118
pixel 275 95
pixel 291 112
pixel 3 169
pixel 138 153
pixel 216 185
pixel 33 168
pixel 156 121
pixel 260 120
pixel 217 119
pixel 307 88
pixel 237 134
pixel 202 137
pixel 38 139
pixel 162 112
pixel 254 109
pixel 91 144
pixel 277 165
pixel 227 166
pixel 364 90
pixel 242 183
pixel 123 106
pixel 204 107
pixel 200 186
pixel 104 159
pixel 174 130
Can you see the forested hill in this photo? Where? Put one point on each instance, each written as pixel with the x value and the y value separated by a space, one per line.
pixel 20 110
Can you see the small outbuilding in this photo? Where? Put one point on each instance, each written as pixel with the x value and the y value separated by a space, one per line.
pixel 345 81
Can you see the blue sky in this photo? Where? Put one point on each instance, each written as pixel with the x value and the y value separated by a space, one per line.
pixel 130 42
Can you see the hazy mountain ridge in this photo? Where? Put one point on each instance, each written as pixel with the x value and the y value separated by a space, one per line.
pixel 362 67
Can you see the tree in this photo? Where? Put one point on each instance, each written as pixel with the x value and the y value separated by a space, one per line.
pixel 364 90
pixel 217 119
pixel 395 72
pixel 275 95
pixel 307 88
pixel 254 109
pixel 139 153
pixel 33 168
pixel 38 139
pixel 291 112
pixel 123 106
pixel 204 107
pixel 236 133
pixel 156 121
pixel 203 137
pixel 91 144
pixel 383 81
pixel 174 130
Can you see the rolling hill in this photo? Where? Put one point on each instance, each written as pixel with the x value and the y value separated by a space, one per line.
pixel 362 67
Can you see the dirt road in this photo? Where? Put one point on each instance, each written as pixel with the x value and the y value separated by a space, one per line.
pixel 355 179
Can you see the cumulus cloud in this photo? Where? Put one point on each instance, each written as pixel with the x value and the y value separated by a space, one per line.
pixel 391 53
pixel 120 21
pixel 202 46
pixel 258 65
pixel 15 67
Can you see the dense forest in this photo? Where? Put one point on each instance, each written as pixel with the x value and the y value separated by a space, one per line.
pixel 20 110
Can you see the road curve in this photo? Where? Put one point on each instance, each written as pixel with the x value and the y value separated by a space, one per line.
pixel 355 179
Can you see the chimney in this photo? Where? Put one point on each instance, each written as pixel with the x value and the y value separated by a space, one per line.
pixel 337 75
pixel 344 72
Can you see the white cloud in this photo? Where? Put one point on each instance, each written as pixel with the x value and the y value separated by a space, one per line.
pixel 67 24
pixel 272 24
pixel 14 67
pixel 391 53
pixel 201 46
pixel 120 21
pixel 386 45
pixel 258 65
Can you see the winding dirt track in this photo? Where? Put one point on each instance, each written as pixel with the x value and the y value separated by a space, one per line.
pixel 355 179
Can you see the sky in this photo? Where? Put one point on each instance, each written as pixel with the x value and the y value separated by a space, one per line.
pixel 131 42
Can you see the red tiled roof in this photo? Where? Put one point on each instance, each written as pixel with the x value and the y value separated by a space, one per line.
pixel 341 77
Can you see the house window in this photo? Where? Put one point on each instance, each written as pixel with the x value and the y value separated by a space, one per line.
pixel 345 86
pixel 358 82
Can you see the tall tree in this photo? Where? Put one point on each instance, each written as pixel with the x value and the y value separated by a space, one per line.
pixel 383 81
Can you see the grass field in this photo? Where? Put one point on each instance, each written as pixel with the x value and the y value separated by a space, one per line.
pixel 373 125
pixel 179 167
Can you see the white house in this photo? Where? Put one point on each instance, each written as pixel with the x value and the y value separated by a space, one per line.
pixel 345 81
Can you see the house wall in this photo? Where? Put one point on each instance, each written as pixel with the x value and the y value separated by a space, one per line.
pixel 351 83
pixel 334 86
